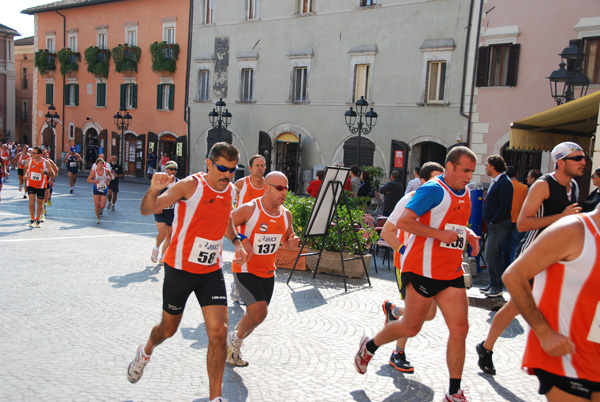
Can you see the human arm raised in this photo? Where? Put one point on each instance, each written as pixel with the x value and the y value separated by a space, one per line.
pixel 154 201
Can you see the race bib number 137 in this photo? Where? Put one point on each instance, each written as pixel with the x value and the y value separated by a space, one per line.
pixel 459 243
pixel 265 244
pixel 205 252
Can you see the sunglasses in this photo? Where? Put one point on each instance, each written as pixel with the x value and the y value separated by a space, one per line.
pixel 577 158
pixel 224 169
pixel 279 188
pixel 171 168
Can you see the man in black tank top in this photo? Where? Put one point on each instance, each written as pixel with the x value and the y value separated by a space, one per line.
pixel 551 197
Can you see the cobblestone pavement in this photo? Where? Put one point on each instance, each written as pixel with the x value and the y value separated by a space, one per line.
pixel 78 298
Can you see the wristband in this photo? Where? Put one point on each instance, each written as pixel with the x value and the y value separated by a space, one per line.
pixel 236 238
pixel 401 249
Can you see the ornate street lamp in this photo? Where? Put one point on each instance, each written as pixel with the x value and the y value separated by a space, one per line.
pixel 218 118
pixel 52 117
pixel 122 121
pixel 370 120
pixel 569 79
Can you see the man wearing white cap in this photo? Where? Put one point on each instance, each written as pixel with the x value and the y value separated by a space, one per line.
pixel 551 197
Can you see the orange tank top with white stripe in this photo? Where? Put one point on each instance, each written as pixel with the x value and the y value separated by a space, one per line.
pixel 35 173
pixel 22 160
pixel 567 295
pixel 431 258
pixel 198 228
pixel 264 232
pixel 249 192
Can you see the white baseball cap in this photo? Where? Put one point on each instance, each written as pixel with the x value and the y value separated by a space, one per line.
pixel 563 150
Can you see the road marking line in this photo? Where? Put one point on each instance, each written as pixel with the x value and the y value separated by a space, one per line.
pixel 75 237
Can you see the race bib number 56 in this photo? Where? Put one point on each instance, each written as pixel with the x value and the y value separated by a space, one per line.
pixel 459 243
pixel 205 252
pixel 265 244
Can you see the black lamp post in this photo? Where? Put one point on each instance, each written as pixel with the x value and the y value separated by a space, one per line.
pixel 218 118
pixel 122 121
pixel 566 82
pixel 370 120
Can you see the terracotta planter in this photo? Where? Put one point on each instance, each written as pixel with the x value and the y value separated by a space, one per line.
pixel 331 263
pixel 285 258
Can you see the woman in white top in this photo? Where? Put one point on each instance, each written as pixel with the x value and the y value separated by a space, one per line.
pixel 100 177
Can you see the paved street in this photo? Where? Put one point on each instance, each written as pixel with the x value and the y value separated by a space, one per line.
pixel 78 298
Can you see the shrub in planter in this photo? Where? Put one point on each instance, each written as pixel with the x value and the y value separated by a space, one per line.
pixel 164 56
pixel 126 58
pixel 97 60
pixel 45 61
pixel 69 60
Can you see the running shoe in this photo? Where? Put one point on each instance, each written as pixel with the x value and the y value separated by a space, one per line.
pixel 485 359
pixel 37 224
pixel 235 295
pixel 71 190
pixel 108 206
pixel 234 356
pixel 24 195
pixel 20 188
pixel 98 221
pixel 154 256
pixel 363 356
pixel 49 203
pixel 32 223
pixel 388 310
pixel 218 399
pixel 43 218
pixel 493 292
pixel 399 362
pixel 137 365
pixel 486 289
pixel 458 397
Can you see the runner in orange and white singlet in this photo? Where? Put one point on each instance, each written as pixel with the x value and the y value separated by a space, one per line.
pixel 253 185
pixel 193 261
pixel 36 173
pixel 263 224
pixel 437 217
pixel 49 183
pixel 5 152
pixel 563 309
pixel 397 239
pixel 22 159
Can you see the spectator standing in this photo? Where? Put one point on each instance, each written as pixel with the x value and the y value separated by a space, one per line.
pixel 163 161
pixel 496 213
pixel 354 179
pixel 532 176
pixel 594 198
pixel 315 185
pixel 415 183
pixel 151 164
pixel 365 187
pixel 393 190
pixel 515 237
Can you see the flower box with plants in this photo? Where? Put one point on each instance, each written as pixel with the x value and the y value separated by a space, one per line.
pixel 97 60
pixel 164 56
pixel 69 60
pixel 301 208
pixel 126 58
pixel 45 61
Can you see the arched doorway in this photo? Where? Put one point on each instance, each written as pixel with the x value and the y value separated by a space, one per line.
pixel 48 141
pixel 91 142
pixel 523 160
pixel 167 143
pixel 287 156
pixel 367 151
pixel 134 154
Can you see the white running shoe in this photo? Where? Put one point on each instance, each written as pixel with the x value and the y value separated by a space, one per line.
pixel 235 295
pixel 98 221
pixel 234 356
pixel 43 218
pixel 32 224
pixel 218 399
pixel 154 256
pixel 458 397
pixel 108 206
pixel 363 356
pixel 137 365
pixel 37 224
pixel 20 188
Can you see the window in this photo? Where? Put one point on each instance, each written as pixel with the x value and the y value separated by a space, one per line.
pixel 169 35
pixel 49 93
pixel 165 96
pixel 591 48
pixel 129 95
pixel 361 81
pixel 71 131
pixel 207 11
pixel 436 81
pixel 72 94
pixel 497 65
pixel 300 74
pixel 364 3
pixel 73 42
pixel 50 43
pixel 101 40
pixel 24 110
pixel 252 9
pixel 131 36
pixel 100 94
pixel 203 85
pixel 24 82
pixel 247 84
pixel 305 6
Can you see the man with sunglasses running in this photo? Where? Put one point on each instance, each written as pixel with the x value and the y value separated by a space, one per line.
pixel 264 224
pixel 193 262
pixel 551 197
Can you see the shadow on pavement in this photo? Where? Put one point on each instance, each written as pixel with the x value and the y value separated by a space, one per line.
pixel 148 274
pixel 503 392
pixel 512 331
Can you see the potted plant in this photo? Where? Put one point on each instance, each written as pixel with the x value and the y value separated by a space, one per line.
pixel 69 60
pixel 164 56
pixel 45 61
pixel 126 58
pixel 97 60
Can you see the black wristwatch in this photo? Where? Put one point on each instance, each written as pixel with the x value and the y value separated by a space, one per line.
pixel 236 238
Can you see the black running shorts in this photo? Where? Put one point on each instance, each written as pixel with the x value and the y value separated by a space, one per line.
pixel 253 288
pixel 178 285
pixel 428 287
pixel 573 386
pixel 40 193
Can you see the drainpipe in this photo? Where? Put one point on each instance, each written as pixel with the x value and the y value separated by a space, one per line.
pixel 186 109
pixel 62 140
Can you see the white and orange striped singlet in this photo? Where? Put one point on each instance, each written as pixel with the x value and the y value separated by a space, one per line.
pixel 249 192
pixel 567 294
pixel 198 228
pixel 36 177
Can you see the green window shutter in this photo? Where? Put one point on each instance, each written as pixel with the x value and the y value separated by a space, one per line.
pixel 76 94
pixel 102 91
pixel 67 97
pixel 171 96
pixel 134 102
pixel 49 94
pixel 159 97
pixel 123 94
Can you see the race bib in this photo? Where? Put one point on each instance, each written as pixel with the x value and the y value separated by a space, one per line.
pixel 205 252
pixel 459 244
pixel 36 176
pixel 594 334
pixel 73 164
pixel 265 244
pixel 101 187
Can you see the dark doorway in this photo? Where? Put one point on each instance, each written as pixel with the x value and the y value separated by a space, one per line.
pixel 432 152
pixel 264 148
pixel 91 144
pixel 288 158
pixel 524 161
pixel 367 151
